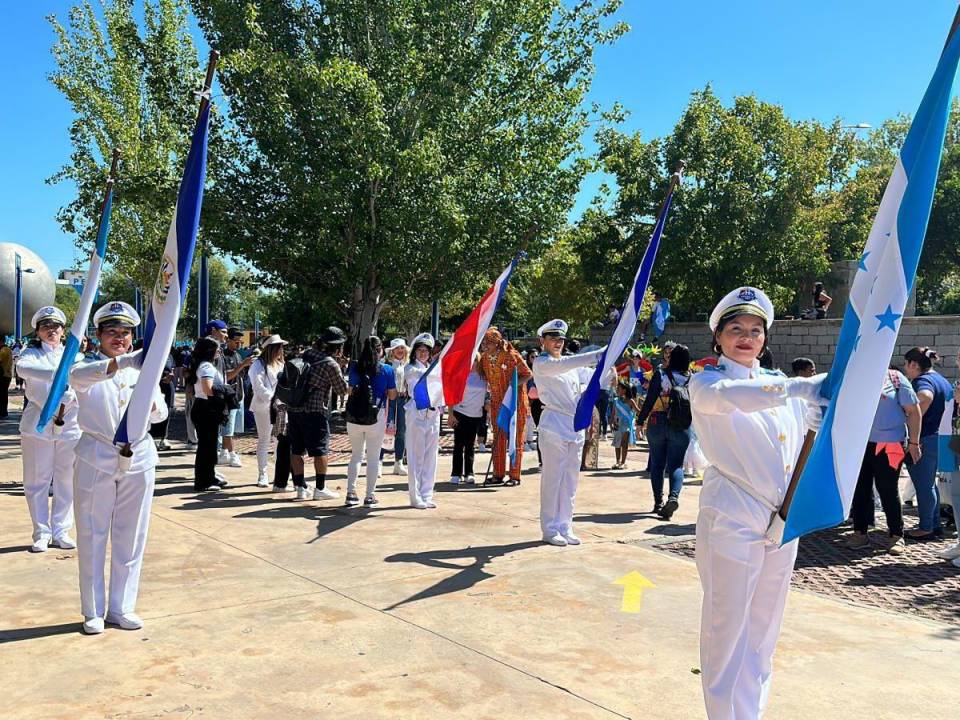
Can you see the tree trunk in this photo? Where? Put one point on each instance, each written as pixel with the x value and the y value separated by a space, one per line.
pixel 367 303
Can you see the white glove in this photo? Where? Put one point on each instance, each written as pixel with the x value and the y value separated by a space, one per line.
pixel 130 360
pixel 814 417
pixel 806 388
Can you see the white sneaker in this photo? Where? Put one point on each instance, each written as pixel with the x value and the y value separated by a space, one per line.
pixel 325 494
pixel 93 626
pixel 555 539
pixel 303 493
pixel 235 460
pixel 277 488
pixel 951 553
pixel 399 468
pixel 455 480
pixel 223 458
pixel 429 503
pixel 262 481
pixel 127 621
pixel 41 544
pixel 65 542
pixel 219 476
pixel 419 505
pixel 470 480
pixel 571 539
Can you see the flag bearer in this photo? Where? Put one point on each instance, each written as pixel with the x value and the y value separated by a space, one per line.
pixel 423 429
pixel 47 456
pixel 559 384
pixel 112 493
pixel 750 423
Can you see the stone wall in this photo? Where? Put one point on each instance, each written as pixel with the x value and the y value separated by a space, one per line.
pixel 817 339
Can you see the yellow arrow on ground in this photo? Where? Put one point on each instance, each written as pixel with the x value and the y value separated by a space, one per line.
pixel 633 585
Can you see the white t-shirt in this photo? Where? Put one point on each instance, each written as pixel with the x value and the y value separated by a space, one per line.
pixel 474 395
pixel 206 370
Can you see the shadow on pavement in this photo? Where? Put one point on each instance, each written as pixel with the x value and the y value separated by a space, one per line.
pixel 468 576
pixel 39 632
pixel 13 549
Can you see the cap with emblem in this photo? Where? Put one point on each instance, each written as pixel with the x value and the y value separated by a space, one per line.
pixel 48 312
pixel 424 339
pixel 116 313
pixel 557 328
pixel 743 301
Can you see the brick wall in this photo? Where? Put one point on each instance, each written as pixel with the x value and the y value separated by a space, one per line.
pixel 816 339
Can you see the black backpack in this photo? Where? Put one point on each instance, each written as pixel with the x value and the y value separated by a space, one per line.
pixel 361 407
pixel 679 415
pixel 292 389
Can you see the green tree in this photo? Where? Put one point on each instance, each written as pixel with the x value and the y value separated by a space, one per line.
pixel 130 85
pixel 392 148
pixel 68 300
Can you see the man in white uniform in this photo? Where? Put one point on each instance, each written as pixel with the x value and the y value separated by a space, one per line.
pixel 560 382
pixel 423 429
pixel 750 423
pixel 47 456
pixel 112 494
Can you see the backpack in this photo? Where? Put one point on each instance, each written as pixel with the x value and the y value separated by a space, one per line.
pixel 361 407
pixel 292 389
pixel 679 415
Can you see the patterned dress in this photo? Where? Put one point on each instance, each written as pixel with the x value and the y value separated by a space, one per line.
pixel 497 369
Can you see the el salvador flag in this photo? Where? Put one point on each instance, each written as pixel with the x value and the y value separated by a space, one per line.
pixel 170 287
pixel 79 327
pixel 507 417
pixel 628 319
pixel 868 335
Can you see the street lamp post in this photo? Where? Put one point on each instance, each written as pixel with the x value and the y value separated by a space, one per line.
pixel 18 300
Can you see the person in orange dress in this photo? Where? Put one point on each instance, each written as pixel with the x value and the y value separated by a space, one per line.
pixel 498 358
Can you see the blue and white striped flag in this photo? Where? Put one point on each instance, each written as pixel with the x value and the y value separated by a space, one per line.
pixel 628 320
pixel 868 335
pixel 79 327
pixel 170 287
pixel 507 417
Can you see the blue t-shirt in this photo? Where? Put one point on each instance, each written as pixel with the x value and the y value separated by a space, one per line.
pixel 889 424
pixel 382 381
pixel 935 383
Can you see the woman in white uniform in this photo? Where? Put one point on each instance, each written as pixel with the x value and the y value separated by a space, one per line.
pixel 750 423
pixel 560 381
pixel 112 496
pixel 423 429
pixel 263 379
pixel 47 456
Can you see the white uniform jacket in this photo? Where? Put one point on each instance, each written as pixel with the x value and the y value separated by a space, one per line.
pixel 103 400
pixel 411 376
pixel 560 382
pixel 750 423
pixel 263 380
pixel 37 366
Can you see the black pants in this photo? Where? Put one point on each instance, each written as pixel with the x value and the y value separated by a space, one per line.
pixel 207 423
pixel 603 404
pixel 464 436
pixel 876 470
pixel 536 410
pixel 4 394
pixel 281 459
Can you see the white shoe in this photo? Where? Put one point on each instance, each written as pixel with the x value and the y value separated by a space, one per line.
pixel 93 626
pixel 399 469
pixel 41 544
pixel 455 480
pixel 223 458
pixel 951 553
pixel 235 460
pixel 429 503
pixel 164 445
pixel 470 480
pixel 303 493
pixel 571 539
pixel 262 481
pixel 555 539
pixel 219 476
pixel 419 505
pixel 325 494
pixel 65 542
pixel 127 621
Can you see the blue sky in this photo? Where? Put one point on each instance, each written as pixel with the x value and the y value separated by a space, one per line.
pixel 857 60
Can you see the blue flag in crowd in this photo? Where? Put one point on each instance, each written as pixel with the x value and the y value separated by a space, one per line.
pixel 507 417
pixel 871 323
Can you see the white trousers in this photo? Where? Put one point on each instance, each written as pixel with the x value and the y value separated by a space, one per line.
pixel 423 445
pixel 369 437
pixel 264 436
pixel 112 506
pixel 745 581
pixel 46 462
pixel 559 478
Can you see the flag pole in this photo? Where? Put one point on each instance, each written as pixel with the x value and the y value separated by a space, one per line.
pixel 808 440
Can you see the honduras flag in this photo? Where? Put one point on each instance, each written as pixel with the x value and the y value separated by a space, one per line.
pixel 79 327
pixel 444 381
pixel 871 323
pixel 507 417
pixel 170 287
pixel 628 320
pixel 661 313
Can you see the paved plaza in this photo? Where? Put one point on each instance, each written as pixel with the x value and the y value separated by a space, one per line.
pixel 259 606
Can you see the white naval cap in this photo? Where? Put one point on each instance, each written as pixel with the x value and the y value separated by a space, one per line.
pixel 48 312
pixel 116 313
pixel 553 327
pixel 743 301
pixel 424 339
